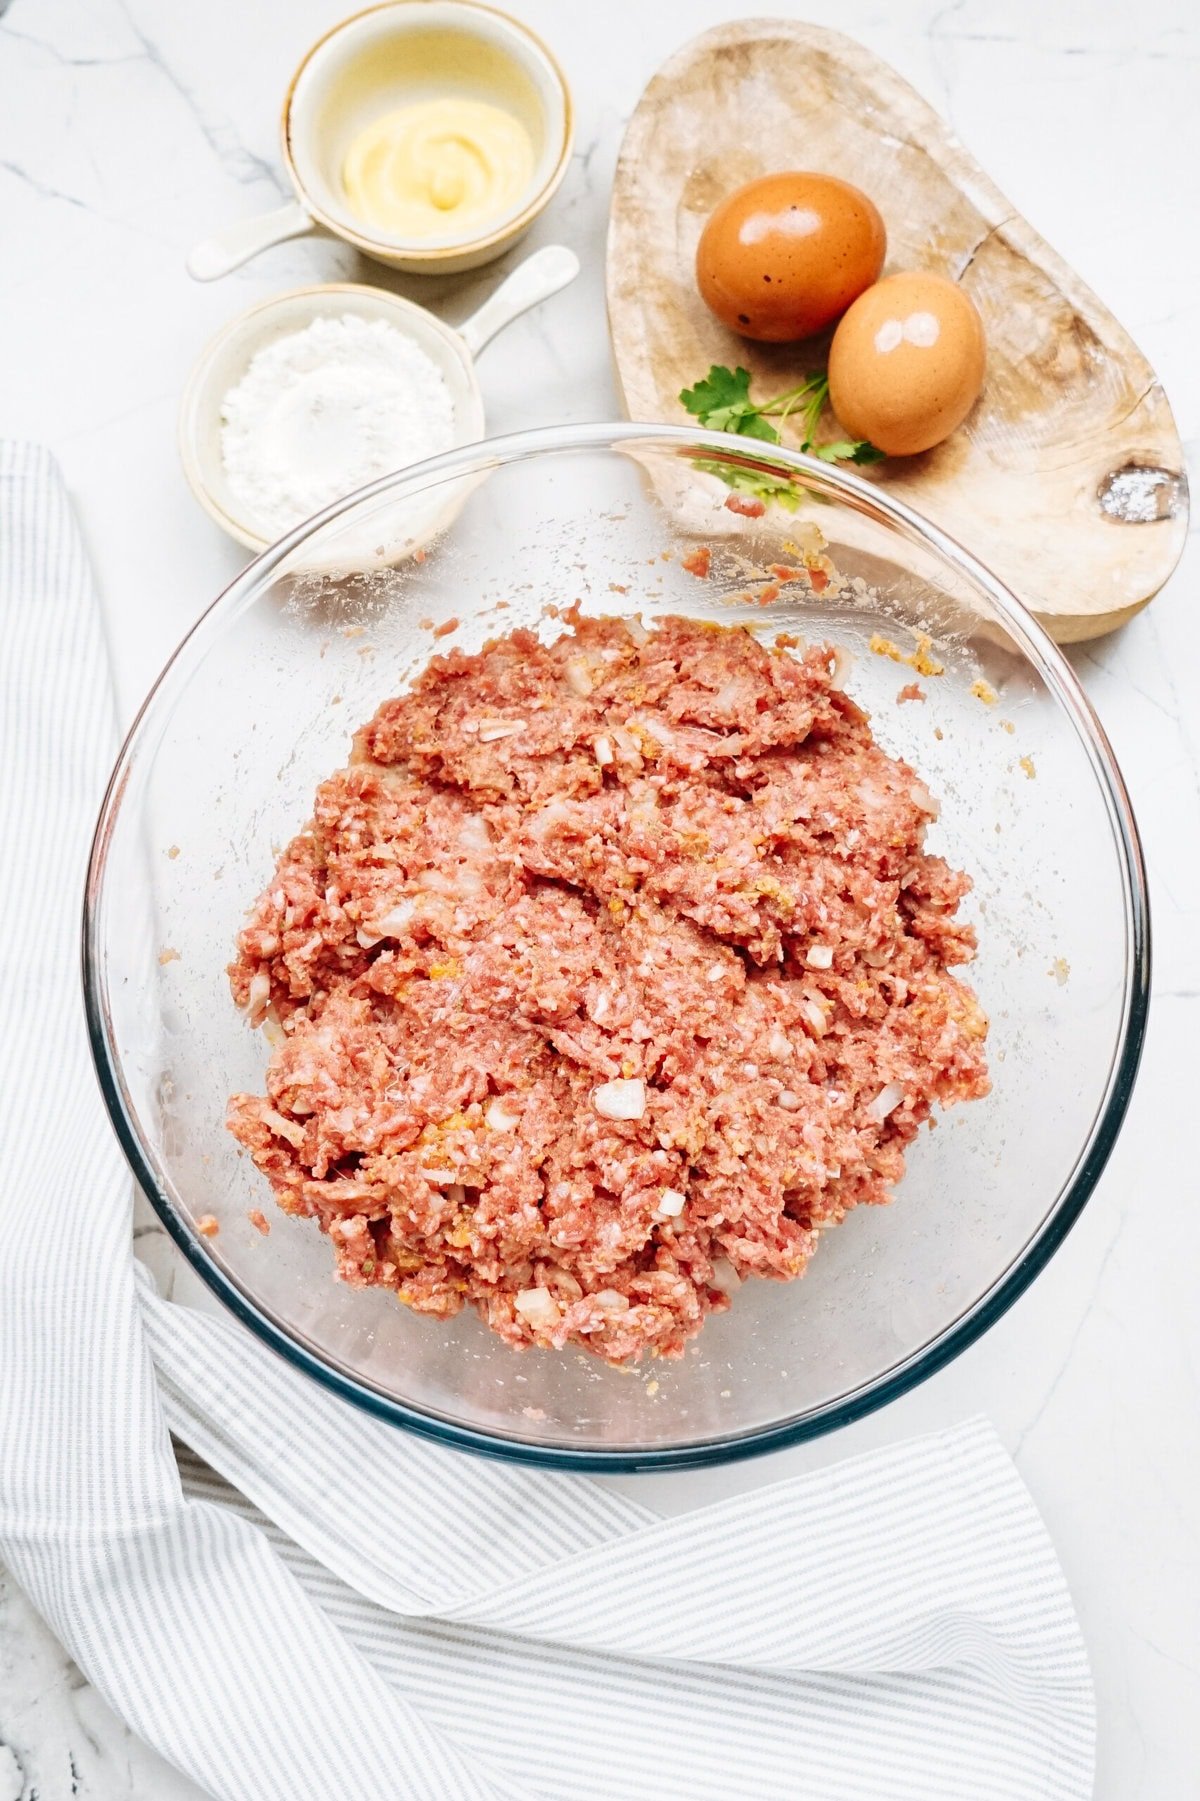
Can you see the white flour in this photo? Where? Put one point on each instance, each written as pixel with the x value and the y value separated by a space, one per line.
pixel 324 410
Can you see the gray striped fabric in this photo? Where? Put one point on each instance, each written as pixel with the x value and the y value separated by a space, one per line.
pixel 302 1624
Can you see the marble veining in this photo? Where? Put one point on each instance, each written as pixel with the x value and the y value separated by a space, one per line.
pixel 131 128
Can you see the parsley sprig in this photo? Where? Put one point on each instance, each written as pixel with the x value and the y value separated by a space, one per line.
pixel 722 403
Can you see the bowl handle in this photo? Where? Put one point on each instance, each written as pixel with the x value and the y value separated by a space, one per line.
pixel 228 249
pixel 540 275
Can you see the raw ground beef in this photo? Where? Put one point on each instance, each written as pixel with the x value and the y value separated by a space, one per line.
pixel 607 973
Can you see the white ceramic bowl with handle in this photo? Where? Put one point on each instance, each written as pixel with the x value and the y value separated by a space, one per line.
pixel 453 349
pixel 401 51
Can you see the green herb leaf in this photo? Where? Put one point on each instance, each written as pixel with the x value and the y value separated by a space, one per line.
pixel 722 402
pixel 753 481
pixel 868 453
pixel 753 425
pixel 847 450
pixel 721 387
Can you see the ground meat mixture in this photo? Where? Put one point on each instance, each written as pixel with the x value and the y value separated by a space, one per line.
pixel 609 972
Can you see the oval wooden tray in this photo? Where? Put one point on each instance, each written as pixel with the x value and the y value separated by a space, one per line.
pixel 1067 479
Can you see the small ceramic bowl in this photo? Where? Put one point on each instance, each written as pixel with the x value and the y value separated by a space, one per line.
pixel 404 50
pixel 226 358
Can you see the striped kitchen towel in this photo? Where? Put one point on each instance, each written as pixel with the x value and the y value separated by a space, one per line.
pixel 324 1607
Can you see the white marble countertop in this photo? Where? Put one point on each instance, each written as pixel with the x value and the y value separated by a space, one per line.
pixel 129 128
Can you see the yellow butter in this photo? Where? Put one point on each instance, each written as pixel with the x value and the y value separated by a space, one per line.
pixel 438 168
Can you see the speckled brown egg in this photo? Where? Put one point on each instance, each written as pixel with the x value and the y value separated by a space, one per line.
pixel 784 256
pixel 907 362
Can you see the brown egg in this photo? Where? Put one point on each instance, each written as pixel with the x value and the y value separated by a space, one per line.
pixel 784 256
pixel 906 363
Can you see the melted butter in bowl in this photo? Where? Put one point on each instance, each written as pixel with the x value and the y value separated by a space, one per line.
pixel 429 135
pixel 448 164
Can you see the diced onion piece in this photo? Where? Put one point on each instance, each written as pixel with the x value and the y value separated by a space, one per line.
pixel 555 812
pixel 819 956
pixel 259 994
pixel 579 677
pixel 655 727
pixel 393 922
pixel 814 1016
pixel 840 666
pixel 612 1300
pixel 724 1276
pixel 498 1117
pixel 729 695
pixel 441 1178
pixel 636 629
pixel 282 1128
pixel 671 1203
pixel 923 799
pixel 491 729
pixel 538 1308
pixel 474 838
pixel 779 1045
pixel 788 1099
pixel 715 973
pixel 622 1099
pixel 604 751
pixel 886 1101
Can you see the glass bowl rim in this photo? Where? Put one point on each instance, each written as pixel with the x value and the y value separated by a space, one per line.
pixel 1060 679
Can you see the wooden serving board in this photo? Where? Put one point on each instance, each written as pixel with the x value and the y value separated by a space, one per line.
pixel 1067 478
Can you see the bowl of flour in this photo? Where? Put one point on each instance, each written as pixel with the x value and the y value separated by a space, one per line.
pixel 312 395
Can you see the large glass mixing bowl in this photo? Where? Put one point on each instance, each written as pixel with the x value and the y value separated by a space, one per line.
pixel 257 706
